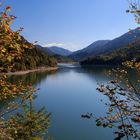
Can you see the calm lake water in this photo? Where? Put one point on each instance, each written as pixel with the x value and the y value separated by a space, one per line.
pixel 67 94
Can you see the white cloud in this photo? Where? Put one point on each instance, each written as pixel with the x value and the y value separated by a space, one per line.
pixel 54 44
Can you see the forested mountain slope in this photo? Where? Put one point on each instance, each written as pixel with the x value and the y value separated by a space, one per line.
pixel 130 52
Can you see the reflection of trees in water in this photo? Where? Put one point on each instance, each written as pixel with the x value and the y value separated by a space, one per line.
pixel 33 78
pixel 101 73
pixel 98 72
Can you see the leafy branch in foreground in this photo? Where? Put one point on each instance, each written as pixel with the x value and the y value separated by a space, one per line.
pixel 124 103
pixel 134 8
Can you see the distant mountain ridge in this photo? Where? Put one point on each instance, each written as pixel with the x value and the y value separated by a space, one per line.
pixel 97 48
pixel 105 46
pixel 88 51
pixel 45 50
pixel 60 51
pixel 54 50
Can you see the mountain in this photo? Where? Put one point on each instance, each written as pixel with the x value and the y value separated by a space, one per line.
pixel 117 57
pixel 54 50
pixel 45 50
pixel 107 46
pixel 58 57
pixel 88 51
pixel 60 51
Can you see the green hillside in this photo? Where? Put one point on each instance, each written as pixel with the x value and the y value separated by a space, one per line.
pixel 34 58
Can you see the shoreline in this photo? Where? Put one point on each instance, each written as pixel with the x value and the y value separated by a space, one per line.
pixel 40 69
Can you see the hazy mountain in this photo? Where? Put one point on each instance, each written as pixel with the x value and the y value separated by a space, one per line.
pixel 54 50
pixel 60 51
pixel 60 58
pixel 106 46
pixel 88 51
pixel 45 50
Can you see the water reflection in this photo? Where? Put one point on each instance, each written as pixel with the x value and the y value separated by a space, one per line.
pixel 34 78
pixel 68 93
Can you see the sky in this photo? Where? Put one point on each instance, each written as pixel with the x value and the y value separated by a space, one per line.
pixel 71 24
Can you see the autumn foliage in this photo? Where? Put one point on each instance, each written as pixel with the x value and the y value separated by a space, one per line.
pixel 28 123
pixel 11 43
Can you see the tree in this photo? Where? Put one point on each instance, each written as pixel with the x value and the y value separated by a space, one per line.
pixel 11 43
pixel 29 123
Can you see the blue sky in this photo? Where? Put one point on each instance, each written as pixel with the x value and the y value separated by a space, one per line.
pixel 72 24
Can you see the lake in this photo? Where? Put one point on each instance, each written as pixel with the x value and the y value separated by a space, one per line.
pixel 68 93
